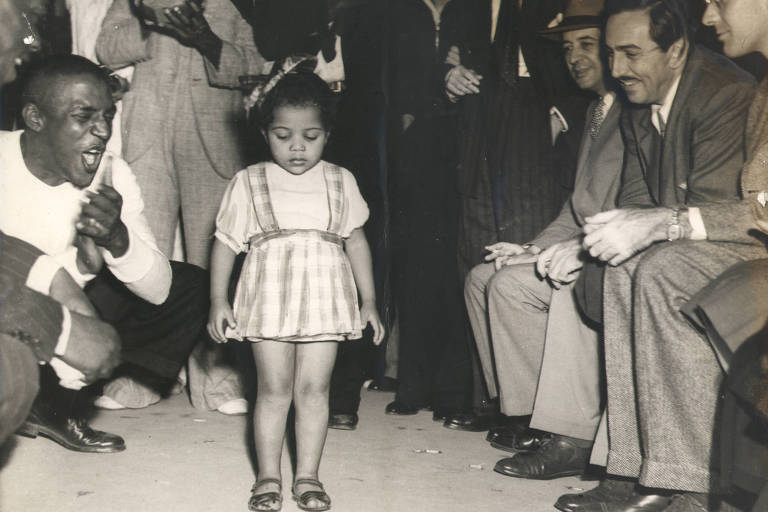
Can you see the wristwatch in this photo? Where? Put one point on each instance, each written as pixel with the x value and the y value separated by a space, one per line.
pixel 674 228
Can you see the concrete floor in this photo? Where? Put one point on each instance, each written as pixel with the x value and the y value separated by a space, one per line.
pixel 181 459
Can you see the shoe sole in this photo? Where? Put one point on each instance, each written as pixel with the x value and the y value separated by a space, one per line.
pixel 343 427
pixel 464 429
pixel 39 430
pixel 552 476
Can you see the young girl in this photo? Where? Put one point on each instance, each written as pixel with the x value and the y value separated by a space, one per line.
pixel 296 216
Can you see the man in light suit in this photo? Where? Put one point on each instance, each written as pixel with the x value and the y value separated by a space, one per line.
pixel 684 154
pixel 181 138
pixel 534 346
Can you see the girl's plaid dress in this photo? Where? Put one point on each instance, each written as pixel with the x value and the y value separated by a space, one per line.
pixel 296 284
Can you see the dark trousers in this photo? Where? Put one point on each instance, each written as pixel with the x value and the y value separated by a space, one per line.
pixel 156 339
pixel 349 373
pixel 18 384
pixel 434 366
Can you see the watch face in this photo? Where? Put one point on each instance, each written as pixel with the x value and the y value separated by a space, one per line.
pixel 674 232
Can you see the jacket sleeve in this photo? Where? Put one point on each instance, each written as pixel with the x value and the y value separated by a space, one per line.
pixel 122 40
pixel 562 228
pixel 239 56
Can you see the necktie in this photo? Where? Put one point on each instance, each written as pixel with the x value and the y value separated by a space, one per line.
pixel 598 116
pixel 659 121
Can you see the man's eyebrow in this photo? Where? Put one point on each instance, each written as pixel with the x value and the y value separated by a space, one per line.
pixel 628 47
pixel 587 38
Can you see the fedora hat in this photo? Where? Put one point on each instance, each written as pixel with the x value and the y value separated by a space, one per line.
pixel 578 15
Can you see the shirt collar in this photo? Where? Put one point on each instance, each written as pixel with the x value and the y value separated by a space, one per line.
pixel 664 108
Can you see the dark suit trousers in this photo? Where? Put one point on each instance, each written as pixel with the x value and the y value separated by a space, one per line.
pixel 18 383
pixel 434 367
pixel 156 340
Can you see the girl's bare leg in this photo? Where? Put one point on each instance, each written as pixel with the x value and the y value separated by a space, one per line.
pixel 275 377
pixel 314 365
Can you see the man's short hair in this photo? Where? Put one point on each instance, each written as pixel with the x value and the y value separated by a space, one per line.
pixel 40 75
pixel 670 20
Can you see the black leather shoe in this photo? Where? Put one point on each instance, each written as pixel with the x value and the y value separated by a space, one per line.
pixel 508 426
pixel 638 502
pixel 441 414
pixel 557 457
pixel 343 421
pixel 468 421
pixel 71 433
pixel 401 409
pixel 529 440
pixel 609 489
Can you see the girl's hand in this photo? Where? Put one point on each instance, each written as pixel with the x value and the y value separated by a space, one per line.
pixel 369 315
pixel 220 317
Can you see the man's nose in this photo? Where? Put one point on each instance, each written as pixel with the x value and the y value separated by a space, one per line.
pixel 102 128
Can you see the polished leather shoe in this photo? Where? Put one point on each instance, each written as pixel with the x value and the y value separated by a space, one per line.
pixel 71 433
pixel 609 489
pixel 638 502
pixel 557 457
pixel 508 426
pixel 529 440
pixel 468 421
pixel 343 421
pixel 401 409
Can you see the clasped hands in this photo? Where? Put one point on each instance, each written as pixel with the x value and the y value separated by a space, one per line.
pixel 558 263
pixel 185 22
pixel 99 225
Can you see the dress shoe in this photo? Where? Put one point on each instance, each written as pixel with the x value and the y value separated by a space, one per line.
pixel 468 421
pixel 343 421
pixel 401 409
pixel 508 426
pixel 441 414
pixel 71 433
pixel 387 384
pixel 638 502
pixel 557 457
pixel 609 489
pixel 529 440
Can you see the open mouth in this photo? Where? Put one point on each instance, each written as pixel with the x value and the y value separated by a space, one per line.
pixel 92 159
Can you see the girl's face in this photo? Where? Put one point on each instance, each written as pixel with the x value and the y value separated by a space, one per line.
pixel 296 138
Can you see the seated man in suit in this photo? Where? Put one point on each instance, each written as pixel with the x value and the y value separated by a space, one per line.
pixel 684 154
pixel 61 192
pixel 531 338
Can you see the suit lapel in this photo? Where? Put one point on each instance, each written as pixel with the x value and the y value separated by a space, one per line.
pixel 640 124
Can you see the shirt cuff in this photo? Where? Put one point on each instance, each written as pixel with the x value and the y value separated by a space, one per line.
pixel 698 231
pixel 66 329
pixel 69 376
pixel 41 274
pixel 134 264
pixel 563 123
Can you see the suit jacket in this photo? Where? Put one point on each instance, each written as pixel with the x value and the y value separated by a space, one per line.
pixel 597 179
pixel 740 221
pixel 700 157
pixel 215 95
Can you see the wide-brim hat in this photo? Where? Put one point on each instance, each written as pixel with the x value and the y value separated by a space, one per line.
pixel 579 14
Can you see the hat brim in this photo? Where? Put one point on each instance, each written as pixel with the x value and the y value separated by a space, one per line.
pixel 574 23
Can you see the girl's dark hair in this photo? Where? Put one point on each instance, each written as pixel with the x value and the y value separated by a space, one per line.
pixel 302 89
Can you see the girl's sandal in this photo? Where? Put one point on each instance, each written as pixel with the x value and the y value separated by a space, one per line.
pixel 270 501
pixel 303 500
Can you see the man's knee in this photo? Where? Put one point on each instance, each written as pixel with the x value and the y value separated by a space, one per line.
pixel 513 282
pixel 477 280
pixel 189 284
pixel 19 384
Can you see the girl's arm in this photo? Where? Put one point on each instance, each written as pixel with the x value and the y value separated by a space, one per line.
pixel 222 260
pixel 359 254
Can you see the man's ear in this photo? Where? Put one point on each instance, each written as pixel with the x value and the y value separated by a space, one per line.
pixel 677 53
pixel 33 118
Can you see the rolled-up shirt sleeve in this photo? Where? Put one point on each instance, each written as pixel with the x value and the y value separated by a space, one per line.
pixel 143 268
pixel 41 274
